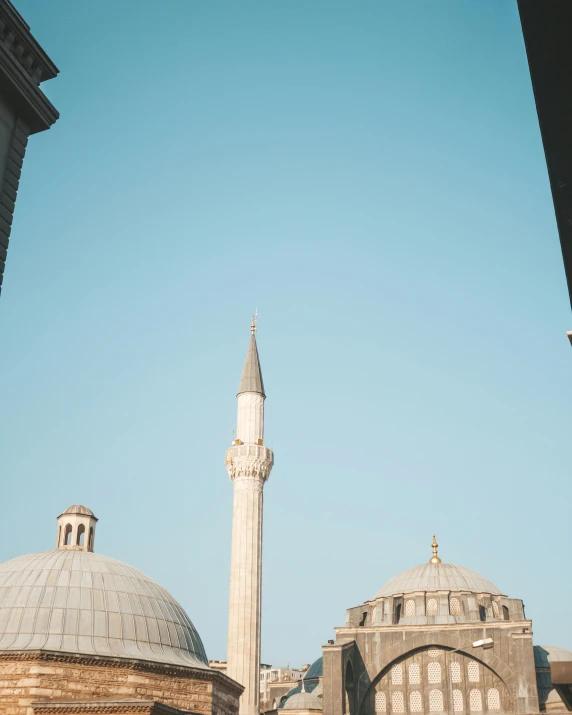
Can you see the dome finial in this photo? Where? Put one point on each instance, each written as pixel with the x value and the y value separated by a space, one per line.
pixel 435 559
pixel 254 321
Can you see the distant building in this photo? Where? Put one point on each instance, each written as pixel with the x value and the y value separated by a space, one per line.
pixel 24 109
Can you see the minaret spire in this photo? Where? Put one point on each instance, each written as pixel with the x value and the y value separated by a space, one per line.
pixel 249 464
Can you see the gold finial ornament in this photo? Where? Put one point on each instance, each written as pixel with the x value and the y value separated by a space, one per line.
pixel 253 323
pixel 435 559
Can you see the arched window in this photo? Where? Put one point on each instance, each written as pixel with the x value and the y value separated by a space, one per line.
pixel 409 608
pixel 493 699
pixel 482 613
pixel 434 672
pixel 455 607
pixel 397 674
pixel 397 702
pixel 475 700
pixel 398 613
pixel 90 542
pixel 380 703
pixel 415 702
pixel 496 609
pixel 349 688
pixel 414 674
pixel 80 535
pixel 432 607
pixel 505 613
pixel 473 672
pixel 60 535
pixel 435 701
pixel 455 672
pixel 68 535
pixel 457 701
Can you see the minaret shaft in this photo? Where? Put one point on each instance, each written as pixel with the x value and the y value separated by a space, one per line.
pixel 249 464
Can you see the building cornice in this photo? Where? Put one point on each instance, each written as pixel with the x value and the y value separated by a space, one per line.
pixel 507 625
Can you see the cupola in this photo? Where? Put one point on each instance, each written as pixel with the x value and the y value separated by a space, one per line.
pixel 76 528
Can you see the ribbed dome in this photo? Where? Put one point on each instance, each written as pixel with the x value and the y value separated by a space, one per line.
pixel 303 701
pixel 78 509
pixel 438 577
pixel 81 602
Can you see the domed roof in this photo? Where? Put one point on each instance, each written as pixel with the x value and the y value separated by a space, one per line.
pixel 438 577
pixel 303 701
pixel 81 602
pixel 315 670
pixel 546 654
pixel 78 509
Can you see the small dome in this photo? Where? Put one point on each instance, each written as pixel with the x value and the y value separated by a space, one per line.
pixel 78 509
pixel 303 701
pixel 438 577
pixel 314 671
pixel 546 654
pixel 86 603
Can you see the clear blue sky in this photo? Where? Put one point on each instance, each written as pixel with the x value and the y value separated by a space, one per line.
pixel 370 176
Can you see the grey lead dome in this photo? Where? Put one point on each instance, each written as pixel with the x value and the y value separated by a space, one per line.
pixel 438 577
pixel 81 602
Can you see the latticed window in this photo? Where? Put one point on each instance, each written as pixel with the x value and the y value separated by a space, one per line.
pixel 455 607
pixel 433 652
pixel 475 700
pixel 432 607
pixel 496 613
pixel 380 703
pixel 455 672
pixel 493 699
pixel 397 702
pixel 415 702
pixel 435 701
pixel 414 674
pixel 473 672
pixel 409 608
pixel 434 672
pixel 397 674
pixel 457 701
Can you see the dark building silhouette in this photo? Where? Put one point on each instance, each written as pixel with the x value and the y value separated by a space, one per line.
pixel 24 109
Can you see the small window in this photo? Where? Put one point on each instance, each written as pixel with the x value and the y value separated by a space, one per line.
pixel 397 674
pixel 397 702
pixel 482 613
pixel 80 535
pixel 457 701
pixel 90 542
pixel 432 607
pixel 456 672
pixel 433 652
pixel 415 702
pixel 363 618
pixel 409 608
pixel 455 607
pixel 398 613
pixel 68 535
pixel 435 701
pixel 476 701
pixel 493 699
pixel 505 613
pixel 414 674
pixel 473 672
pixel 434 672
pixel 380 703
pixel 496 613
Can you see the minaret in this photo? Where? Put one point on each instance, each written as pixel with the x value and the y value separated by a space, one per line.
pixel 249 464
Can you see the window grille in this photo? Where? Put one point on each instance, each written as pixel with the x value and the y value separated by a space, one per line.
pixel 433 652
pixel 455 607
pixel 380 703
pixel 409 608
pixel 432 607
pixel 434 672
pixel 473 671
pixel 456 672
pixel 457 701
pixel 415 702
pixel 414 674
pixel 397 702
pixel 435 701
pixel 493 699
pixel 476 701
pixel 496 613
pixel 397 674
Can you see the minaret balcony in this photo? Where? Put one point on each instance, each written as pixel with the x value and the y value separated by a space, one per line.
pixel 249 460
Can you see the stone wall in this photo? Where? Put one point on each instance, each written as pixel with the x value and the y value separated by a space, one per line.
pixel 32 677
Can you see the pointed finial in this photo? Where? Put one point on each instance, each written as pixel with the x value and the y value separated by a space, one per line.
pixel 303 686
pixel 435 559
pixel 253 323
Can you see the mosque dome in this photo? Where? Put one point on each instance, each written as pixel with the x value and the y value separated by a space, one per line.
pixel 75 601
pixel 315 671
pixel 78 509
pixel 437 576
pixel 303 701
